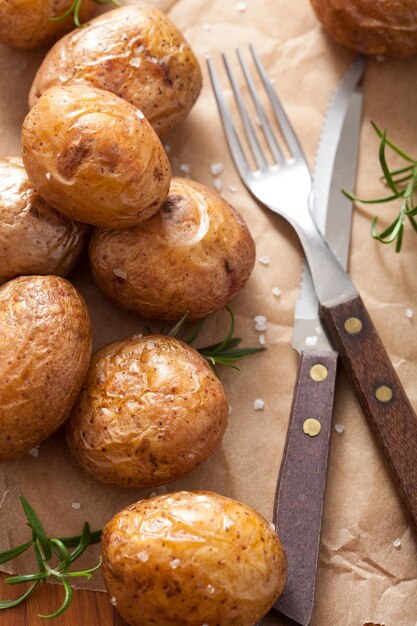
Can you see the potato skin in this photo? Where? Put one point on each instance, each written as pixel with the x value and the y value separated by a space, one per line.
pixel 45 343
pixel 193 255
pixel 34 238
pixel 136 53
pixel 385 27
pixel 192 558
pixel 94 157
pixel 150 411
pixel 26 24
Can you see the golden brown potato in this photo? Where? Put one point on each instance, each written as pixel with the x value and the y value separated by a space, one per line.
pixel 190 559
pixel 26 23
pixel 45 347
pixel 375 27
pixel 193 255
pixel 34 238
pixel 94 157
pixel 136 53
pixel 150 411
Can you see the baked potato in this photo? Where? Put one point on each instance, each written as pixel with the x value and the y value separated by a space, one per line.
pixel 135 52
pixel 374 27
pixel 190 559
pixel 94 157
pixel 34 238
pixel 193 255
pixel 150 411
pixel 26 23
pixel 45 347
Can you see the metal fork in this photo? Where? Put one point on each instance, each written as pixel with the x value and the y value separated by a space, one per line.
pixel 285 187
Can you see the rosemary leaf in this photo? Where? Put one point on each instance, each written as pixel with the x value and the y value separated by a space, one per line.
pixel 36 525
pixel 9 555
pixel 9 604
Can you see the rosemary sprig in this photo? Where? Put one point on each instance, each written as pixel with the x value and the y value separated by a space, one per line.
pixel 402 182
pixel 47 548
pixel 223 353
pixel 74 9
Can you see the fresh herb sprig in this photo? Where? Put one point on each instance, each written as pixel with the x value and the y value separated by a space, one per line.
pixel 225 352
pixel 47 549
pixel 402 182
pixel 74 9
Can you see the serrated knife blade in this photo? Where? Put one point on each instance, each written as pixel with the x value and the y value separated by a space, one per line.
pixel 301 483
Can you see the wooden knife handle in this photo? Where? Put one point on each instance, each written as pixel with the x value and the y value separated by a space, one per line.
pixel 302 478
pixel 379 390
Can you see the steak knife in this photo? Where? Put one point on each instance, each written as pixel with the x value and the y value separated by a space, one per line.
pixel 301 483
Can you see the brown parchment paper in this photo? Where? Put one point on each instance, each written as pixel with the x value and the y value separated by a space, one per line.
pixel 363 578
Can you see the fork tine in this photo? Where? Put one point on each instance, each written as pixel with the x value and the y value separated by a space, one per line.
pixel 235 146
pixel 247 124
pixel 266 127
pixel 282 119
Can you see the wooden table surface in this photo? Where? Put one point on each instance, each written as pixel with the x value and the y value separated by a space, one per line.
pixel 88 608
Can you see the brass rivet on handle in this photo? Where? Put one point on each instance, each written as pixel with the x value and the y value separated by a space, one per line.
pixel 318 372
pixel 353 325
pixel 311 427
pixel 383 393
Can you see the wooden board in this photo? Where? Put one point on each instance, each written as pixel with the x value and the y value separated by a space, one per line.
pixel 88 608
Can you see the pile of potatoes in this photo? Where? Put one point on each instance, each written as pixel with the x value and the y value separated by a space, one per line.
pixel 146 410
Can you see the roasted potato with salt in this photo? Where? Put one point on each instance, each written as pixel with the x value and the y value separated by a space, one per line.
pixel 134 52
pixel 150 410
pixel 26 23
pixel 190 559
pixel 94 157
pixel 34 238
pixel 193 255
pixel 45 347
pixel 374 27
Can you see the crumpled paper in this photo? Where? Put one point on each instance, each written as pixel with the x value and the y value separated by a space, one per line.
pixel 363 578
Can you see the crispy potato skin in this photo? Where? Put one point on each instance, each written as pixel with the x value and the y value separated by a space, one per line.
pixel 26 24
pixel 94 157
pixel 150 411
pixel 192 558
pixel 136 53
pixel 34 238
pixel 385 27
pixel 45 343
pixel 193 255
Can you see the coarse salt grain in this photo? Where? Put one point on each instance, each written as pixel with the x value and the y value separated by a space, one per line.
pixel 217 184
pixel 143 556
pixel 232 188
pixel 185 168
pixel 241 6
pixel 397 543
pixel 153 494
pixel 261 340
pixel 211 589
pixel 76 505
pixel 311 341
pixel 216 168
pixel 259 404
pixel 34 452
pixel 260 323
pixel 119 273
pixel 230 409
pixel 174 563
pixel 276 291
pixel 409 313
pixel 272 525
pixel 167 147
pixel 140 114
pixel 48 175
pixel 339 428
pixel 113 601
pixel 264 260
pixel 135 62
pixel 227 523
pixel 139 336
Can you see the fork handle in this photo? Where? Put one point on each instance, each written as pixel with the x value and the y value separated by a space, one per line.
pixel 301 482
pixel 379 390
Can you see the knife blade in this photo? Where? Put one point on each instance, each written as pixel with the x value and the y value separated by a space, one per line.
pixel 304 466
